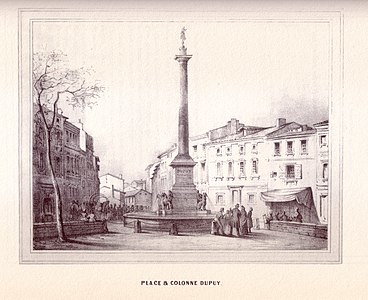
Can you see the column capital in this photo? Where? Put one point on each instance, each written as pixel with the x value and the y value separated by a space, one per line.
pixel 183 58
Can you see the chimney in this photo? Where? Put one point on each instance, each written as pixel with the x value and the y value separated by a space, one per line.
pixel 121 176
pixel 280 122
pixel 233 125
pixel 80 122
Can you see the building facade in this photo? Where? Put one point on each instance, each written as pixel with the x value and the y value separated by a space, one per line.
pixel 322 172
pixel 237 163
pixel 76 167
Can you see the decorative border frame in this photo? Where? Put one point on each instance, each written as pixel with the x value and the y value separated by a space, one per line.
pixel 26 18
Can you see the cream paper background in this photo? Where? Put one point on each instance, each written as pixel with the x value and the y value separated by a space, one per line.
pixel 238 281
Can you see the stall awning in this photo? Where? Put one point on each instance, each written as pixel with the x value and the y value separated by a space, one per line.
pixel 301 195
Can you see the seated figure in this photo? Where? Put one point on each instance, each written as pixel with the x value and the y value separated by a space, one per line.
pixel 298 217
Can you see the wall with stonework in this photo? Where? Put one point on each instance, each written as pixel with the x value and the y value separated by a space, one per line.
pixel 49 230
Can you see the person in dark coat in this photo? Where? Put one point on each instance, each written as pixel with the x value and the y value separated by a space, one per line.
pixel 217 223
pixel 298 217
pixel 249 220
pixel 243 221
pixel 284 217
pixel 228 228
pixel 236 219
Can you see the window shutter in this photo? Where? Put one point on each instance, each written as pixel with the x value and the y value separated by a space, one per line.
pixel 298 171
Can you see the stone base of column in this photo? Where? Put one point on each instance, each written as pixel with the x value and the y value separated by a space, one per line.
pixel 185 198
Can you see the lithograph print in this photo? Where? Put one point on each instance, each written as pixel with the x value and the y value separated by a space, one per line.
pixel 180 137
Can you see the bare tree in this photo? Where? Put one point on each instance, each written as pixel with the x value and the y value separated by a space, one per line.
pixel 53 82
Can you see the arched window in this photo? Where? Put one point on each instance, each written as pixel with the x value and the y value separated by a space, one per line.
pixel 230 169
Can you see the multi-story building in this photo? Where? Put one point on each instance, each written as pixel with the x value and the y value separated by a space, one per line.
pixel 322 172
pixel 239 164
pixel 76 167
pixel 291 154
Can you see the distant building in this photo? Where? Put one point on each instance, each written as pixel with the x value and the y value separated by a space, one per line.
pixel 76 167
pixel 140 199
pixel 112 188
pixel 139 184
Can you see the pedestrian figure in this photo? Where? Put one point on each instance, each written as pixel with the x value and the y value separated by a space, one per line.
pixel 243 221
pixel 236 219
pixel 228 228
pixel 249 220
pixel 298 217
pixel 217 223
pixel 284 217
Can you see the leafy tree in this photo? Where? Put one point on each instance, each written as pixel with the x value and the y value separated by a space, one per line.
pixel 54 82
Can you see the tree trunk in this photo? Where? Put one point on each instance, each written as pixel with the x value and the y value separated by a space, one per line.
pixel 58 202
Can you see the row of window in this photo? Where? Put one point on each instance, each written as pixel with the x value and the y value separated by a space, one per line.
pixel 230 168
pixel 73 165
pixel 71 137
pixel 235 198
pixel 277 150
pixel 228 150
pixel 290 148
pixel 292 171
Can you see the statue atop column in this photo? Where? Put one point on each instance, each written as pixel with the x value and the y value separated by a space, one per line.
pixel 182 49
pixel 182 36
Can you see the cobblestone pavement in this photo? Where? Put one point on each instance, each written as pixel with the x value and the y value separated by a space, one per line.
pixel 123 238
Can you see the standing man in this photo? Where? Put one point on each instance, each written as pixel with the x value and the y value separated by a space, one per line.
pixel 243 221
pixel 236 219
pixel 250 221
pixel 217 227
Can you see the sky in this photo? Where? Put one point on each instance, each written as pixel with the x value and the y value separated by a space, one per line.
pixel 253 71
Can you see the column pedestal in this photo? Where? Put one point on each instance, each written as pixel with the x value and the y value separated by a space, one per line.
pixel 184 190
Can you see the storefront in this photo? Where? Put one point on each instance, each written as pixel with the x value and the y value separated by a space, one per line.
pixel 287 201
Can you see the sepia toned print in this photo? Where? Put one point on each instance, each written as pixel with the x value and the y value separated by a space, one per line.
pixel 194 137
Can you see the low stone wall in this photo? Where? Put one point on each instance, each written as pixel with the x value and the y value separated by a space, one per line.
pixel 300 228
pixel 49 230
pixel 164 224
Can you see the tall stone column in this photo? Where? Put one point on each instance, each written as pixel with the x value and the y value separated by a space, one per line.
pixel 184 190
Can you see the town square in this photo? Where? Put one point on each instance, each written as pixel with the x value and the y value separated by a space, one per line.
pixel 235 186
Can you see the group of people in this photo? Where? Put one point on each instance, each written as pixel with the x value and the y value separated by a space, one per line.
pixel 284 217
pixel 234 222
pixel 92 211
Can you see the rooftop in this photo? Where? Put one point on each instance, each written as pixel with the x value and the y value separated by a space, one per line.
pixel 321 123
